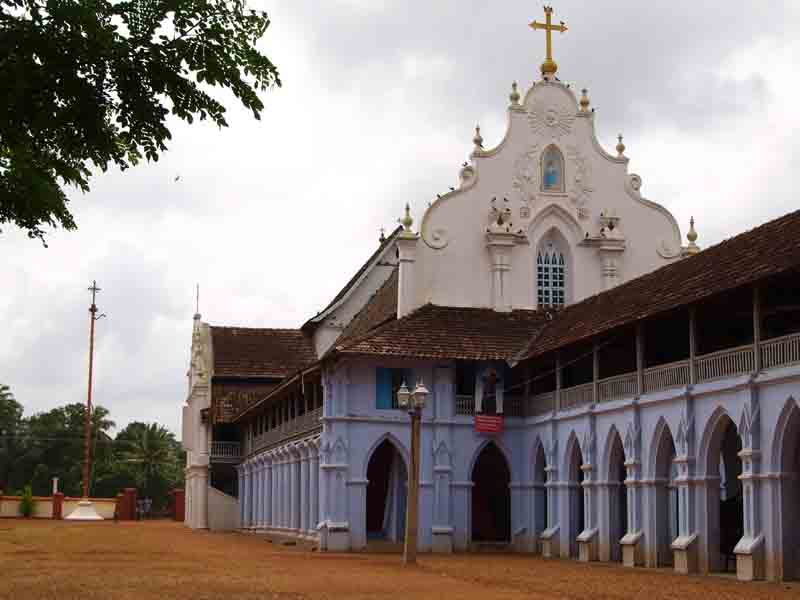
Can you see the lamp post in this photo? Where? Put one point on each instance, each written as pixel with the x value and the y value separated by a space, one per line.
pixel 413 402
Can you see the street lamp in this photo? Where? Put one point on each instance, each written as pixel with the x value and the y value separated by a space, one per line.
pixel 413 402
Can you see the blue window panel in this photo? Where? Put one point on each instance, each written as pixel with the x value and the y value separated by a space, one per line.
pixel 383 388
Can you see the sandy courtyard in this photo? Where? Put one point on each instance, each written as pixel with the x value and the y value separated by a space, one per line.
pixel 62 561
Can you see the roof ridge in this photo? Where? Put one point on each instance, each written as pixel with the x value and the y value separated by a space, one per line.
pixel 275 329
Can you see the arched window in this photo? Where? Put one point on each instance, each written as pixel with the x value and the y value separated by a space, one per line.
pixel 552 170
pixel 550 276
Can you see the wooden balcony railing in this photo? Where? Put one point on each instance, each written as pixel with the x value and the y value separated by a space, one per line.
pixel 620 386
pixel 296 426
pixel 226 451
pixel 724 363
pixel 781 351
pixel 576 396
pixel 662 377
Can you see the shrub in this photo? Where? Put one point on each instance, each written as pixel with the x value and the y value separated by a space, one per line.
pixel 26 502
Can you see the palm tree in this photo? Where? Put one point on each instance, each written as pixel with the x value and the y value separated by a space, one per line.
pixel 149 448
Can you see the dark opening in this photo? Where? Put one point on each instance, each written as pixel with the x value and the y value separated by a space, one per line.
pixel 385 492
pixel 491 497
pixel 666 338
pixel 731 507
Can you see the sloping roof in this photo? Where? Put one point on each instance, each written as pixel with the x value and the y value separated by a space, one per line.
pixel 379 309
pixel 353 280
pixel 248 352
pixel 450 332
pixel 768 250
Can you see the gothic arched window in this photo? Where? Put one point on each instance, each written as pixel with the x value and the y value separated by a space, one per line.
pixel 550 276
pixel 552 170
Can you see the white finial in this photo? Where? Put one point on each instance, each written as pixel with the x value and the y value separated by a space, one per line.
pixel 406 220
pixel 584 100
pixel 692 248
pixel 514 95
pixel 478 139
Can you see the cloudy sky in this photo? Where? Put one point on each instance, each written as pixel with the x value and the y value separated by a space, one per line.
pixel 378 106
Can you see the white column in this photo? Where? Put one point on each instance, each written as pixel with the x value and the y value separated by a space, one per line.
pixel 283 490
pixel 304 499
pixel 242 494
pixel 313 491
pixel 267 491
pixel 248 494
pixel 294 492
pixel 407 257
pixel 274 485
pixel 258 494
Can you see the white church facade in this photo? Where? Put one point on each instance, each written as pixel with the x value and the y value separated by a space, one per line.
pixel 597 390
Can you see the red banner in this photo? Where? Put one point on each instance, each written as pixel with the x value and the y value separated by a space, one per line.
pixel 489 423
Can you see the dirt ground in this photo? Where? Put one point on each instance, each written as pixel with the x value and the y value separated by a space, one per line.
pixel 47 559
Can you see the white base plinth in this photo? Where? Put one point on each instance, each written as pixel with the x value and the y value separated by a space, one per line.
pixel 85 511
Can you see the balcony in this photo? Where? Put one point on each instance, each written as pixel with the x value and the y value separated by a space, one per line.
pixel 730 362
pixel 290 429
pixel 226 452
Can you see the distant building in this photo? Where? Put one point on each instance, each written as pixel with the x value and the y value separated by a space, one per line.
pixel 642 395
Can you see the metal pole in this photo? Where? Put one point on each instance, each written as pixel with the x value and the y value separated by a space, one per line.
pixel 87 454
pixel 410 549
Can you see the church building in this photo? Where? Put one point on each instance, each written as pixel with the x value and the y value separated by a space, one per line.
pixel 596 389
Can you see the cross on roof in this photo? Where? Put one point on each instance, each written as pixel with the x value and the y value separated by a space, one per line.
pixel 549 67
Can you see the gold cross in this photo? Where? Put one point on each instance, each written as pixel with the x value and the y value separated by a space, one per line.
pixel 549 67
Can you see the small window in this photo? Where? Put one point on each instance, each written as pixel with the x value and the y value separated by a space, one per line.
pixel 552 170
pixel 387 382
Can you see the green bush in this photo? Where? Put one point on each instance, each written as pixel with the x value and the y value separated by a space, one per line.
pixel 26 502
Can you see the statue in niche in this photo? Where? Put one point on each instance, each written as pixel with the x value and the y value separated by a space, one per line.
pixel 552 170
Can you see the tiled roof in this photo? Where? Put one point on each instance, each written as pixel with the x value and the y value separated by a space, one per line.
pixel 770 249
pixel 379 309
pixel 450 332
pixel 343 292
pixel 246 352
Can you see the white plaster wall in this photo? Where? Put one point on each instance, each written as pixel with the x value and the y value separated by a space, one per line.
pixel 223 511
pixel 339 316
pixel 42 507
pixel 453 264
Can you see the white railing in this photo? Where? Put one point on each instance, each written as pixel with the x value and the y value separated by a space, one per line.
pixel 723 363
pixel 619 386
pixel 304 422
pixel 673 374
pixel 541 404
pixel 576 396
pixel 465 405
pixel 781 351
pixel 226 450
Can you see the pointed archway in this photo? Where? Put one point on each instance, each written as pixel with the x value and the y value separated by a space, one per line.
pixel 539 491
pixel 617 497
pixel 491 496
pixel 724 501
pixel 790 494
pixel 666 496
pixel 386 493
pixel 577 522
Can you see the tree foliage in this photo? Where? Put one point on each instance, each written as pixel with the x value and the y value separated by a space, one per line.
pixel 50 444
pixel 91 83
